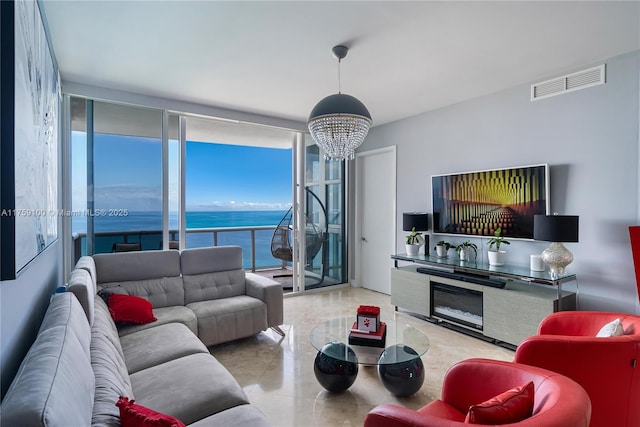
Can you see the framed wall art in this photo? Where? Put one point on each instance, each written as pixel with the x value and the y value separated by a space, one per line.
pixel 31 100
pixel 476 203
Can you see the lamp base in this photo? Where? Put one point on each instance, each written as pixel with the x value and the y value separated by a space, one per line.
pixel 557 257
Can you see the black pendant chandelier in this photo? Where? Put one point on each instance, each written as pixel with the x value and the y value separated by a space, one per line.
pixel 339 123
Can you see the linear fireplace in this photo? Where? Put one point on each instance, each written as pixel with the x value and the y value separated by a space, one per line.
pixel 457 305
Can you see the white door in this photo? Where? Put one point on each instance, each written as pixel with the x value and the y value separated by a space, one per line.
pixel 375 216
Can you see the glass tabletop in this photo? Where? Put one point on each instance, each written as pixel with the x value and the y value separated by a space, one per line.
pixel 403 342
pixel 515 271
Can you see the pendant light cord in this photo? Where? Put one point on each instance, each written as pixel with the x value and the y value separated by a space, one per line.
pixel 339 82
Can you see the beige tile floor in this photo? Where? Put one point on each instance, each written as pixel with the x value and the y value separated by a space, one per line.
pixel 277 373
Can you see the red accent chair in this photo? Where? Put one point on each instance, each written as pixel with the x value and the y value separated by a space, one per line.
pixel 558 401
pixel 607 368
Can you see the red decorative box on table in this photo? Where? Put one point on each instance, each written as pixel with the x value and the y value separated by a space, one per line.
pixel 367 330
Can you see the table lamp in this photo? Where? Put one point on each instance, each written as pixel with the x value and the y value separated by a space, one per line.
pixel 419 221
pixel 556 229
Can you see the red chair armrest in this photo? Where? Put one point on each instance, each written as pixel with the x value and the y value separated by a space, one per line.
pixel 604 367
pixel 393 416
pixel 397 416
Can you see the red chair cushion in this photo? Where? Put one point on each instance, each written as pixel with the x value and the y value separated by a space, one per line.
pixel 511 406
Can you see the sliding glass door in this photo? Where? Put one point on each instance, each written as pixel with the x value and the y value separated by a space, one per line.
pixel 324 228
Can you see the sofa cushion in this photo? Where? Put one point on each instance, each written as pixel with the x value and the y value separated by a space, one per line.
pixel 212 273
pixel 173 314
pixel 189 388
pixel 210 260
pixel 161 292
pixel 86 263
pixel 153 346
pixel 153 275
pixel 83 287
pixel 130 309
pixel 111 375
pixel 238 416
pixel 54 385
pixel 65 310
pixel 228 319
pixel 210 286
pixel 512 406
pixel 136 266
pixel 134 415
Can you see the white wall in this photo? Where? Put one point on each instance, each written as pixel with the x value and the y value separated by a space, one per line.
pixel 588 137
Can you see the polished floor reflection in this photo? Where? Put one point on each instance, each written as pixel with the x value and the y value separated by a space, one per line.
pixel 277 373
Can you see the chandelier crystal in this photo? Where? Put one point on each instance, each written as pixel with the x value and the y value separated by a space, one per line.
pixel 339 123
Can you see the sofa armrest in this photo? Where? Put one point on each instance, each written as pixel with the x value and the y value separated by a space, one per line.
pixel 270 292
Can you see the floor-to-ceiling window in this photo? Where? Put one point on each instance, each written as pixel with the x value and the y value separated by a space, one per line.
pixel 116 177
pixel 137 171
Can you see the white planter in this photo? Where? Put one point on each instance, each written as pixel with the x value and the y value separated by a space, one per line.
pixel 441 251
pixel 496 258
pixel 464 254
pixel 412 249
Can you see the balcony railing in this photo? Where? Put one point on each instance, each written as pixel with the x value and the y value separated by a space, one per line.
pixel 255 242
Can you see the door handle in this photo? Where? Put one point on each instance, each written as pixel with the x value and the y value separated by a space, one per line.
pixel 363 239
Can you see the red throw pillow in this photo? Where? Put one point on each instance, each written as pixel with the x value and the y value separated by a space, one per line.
pixel 512 406
pixel 131 309
pixel 134 415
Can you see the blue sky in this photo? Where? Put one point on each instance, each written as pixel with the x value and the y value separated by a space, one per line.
pixel 233 177
pixel 218 177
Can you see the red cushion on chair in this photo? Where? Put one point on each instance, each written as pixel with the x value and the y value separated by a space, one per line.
pixel 131 309
pixel 134 415
pixel 511 406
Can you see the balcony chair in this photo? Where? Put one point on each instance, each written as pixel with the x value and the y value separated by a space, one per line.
pixel 558 400
pixel 607 368
pixel 126 247
pixel 316 238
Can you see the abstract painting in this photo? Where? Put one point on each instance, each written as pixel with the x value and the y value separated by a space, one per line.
pixel 477 203
pixel 37 106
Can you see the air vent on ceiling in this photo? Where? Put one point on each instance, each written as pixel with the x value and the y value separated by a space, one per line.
pixel 568 83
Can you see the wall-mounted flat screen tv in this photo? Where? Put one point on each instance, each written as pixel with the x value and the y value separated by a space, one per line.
pixel 477 203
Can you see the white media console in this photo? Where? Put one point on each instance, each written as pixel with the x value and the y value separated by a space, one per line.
pixel 504 304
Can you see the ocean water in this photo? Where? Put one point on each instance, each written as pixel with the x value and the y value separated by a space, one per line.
pixel 152 221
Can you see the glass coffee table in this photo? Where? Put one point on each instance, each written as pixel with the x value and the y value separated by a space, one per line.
pixel 399 365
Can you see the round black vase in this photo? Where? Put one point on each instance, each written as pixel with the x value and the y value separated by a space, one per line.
pixel 333 373
pixel 406 375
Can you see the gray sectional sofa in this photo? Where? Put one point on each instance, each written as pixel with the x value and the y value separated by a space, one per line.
pixel 80 362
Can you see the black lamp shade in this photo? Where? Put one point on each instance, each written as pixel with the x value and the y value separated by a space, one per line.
pixel 339 103
pixel 555 228
pixel 419 220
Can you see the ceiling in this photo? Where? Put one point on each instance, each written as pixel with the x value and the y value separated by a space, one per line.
pixel 273 58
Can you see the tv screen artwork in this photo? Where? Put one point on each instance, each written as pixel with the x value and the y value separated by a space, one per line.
pixel 477 203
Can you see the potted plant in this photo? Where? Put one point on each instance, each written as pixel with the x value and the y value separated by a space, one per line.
pixel 414 241
pixel 464 250
pixel 497 257
pixel 442 247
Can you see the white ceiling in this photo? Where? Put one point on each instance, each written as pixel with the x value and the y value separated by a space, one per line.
pixel 273 57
